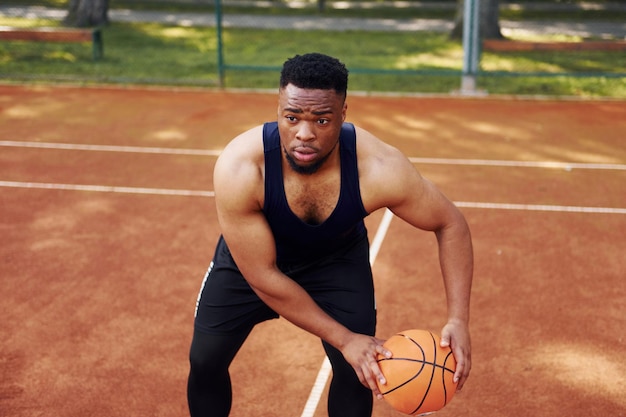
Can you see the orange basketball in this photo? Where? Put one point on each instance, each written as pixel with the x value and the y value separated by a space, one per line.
pixel 420 373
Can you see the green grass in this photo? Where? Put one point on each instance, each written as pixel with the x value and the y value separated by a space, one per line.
pixel 133 53
pixel 424 11
pixel 421 62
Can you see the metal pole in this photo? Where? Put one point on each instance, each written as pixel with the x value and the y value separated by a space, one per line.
pixel 471 25
pixel 220 53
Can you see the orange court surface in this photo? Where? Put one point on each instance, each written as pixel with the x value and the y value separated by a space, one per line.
pixel 108 225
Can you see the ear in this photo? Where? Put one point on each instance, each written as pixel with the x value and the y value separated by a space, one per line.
pixel 344 111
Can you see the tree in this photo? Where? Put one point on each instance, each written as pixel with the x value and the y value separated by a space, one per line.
pixel 489 20
pixel 85 13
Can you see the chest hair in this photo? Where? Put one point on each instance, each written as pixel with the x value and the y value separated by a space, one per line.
pixel 313 199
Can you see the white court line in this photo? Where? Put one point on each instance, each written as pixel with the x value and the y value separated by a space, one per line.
pixel 107 189
pixel 540 207
pixel 325 370
pixel 109 148
pixel 200 193
pixel 518 164
pixel 415 160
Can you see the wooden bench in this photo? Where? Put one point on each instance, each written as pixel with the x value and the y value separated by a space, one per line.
pixel 523 46
pixel 56 34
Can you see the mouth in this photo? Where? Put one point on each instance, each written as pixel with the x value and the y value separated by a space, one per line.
pixel 304 154
pixel 305 159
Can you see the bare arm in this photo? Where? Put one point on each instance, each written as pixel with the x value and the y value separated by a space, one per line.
pixel 239 186
pixel 390 180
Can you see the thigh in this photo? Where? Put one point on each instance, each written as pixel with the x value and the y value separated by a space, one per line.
pixel 342 285
pixel 211 354
pixel 226 302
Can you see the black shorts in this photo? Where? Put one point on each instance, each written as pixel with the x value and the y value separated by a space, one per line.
pixel 341 284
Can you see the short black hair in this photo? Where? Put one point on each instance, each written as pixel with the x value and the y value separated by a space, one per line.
pixel 315 71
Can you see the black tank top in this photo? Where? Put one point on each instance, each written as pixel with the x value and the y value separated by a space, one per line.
pixel 296 240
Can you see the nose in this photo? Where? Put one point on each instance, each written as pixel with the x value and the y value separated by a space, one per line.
pixel 305 132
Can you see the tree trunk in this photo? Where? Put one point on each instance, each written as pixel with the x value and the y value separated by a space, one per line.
pixel 489 20
pixel 86 13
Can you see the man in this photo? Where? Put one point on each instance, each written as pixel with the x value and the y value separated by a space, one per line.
pixel 291 197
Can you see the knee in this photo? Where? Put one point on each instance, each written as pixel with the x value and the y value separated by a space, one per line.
pixel 212 353
pixel 204 362
pixel 198 362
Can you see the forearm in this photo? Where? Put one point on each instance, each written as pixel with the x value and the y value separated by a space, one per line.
pixel 294 304
pixel 457 265
pixel 289 300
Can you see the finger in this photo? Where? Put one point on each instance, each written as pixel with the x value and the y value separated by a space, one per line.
pixel 375 377
pixel 378 374
pixel 458 375
pixel 462 372
pixel 445 340
pixel 362 379
pixel 461 383
pixel 380 349
pixel 368 378
pixel 375 367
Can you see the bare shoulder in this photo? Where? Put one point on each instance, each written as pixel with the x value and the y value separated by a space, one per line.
pixel 385 173
pixel 389 179
pixel 247 146
pixel 374 152
pixel 239 168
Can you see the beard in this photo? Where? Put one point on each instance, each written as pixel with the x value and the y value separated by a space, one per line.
pixel 307 169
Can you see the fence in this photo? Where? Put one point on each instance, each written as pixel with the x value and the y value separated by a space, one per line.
pixel 550 64
pixel 244 44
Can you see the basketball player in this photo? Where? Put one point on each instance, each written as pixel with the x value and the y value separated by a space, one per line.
pixel 291 197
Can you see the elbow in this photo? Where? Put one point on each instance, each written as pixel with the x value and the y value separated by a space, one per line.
pixel 454 224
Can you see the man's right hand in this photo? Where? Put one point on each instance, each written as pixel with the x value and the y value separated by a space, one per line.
pixel 362 352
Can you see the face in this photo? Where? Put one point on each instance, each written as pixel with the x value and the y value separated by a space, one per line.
pixel 309 122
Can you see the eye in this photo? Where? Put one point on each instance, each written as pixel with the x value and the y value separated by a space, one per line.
pixel 291 118
pixel 323 121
